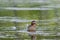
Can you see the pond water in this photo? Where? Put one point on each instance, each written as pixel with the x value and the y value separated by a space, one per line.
pixel 12 29
pixel 15 16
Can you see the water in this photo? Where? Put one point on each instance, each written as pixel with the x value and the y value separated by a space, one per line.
pixel 27 1
pixel 14 8
pixel 56 6
pixel 13 28
pixel 18 19
pixel 47 29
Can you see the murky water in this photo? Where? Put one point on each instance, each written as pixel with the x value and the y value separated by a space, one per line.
pixel 24 30
pixel 15 25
